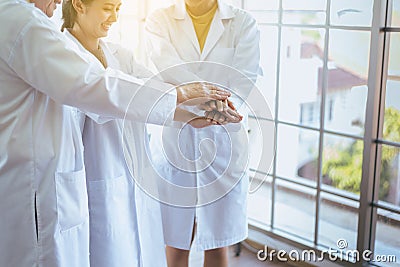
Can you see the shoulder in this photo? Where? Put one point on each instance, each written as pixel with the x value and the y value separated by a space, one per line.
pixel 127 61
pixel 18 19
pixel 14 16
pixel 15 13
pixel 242 21
pixel 162 13
pixel 122 54
pixel 243 15
pixel 118 49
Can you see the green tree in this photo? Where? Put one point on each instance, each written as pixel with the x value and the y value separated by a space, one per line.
pixel 343 165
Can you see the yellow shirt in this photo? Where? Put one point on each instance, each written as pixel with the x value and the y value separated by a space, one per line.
pixel 202 24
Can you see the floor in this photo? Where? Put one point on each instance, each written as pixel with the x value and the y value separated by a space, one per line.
pixel 246 259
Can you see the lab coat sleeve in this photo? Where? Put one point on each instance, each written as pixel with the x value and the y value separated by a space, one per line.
pixel 129 65
pixel 246 59
pixel 52 64
pixel 163 54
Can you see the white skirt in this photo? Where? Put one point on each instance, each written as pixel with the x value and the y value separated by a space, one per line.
pixel 222 222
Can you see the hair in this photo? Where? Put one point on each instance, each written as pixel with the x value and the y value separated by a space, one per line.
pixel 69 13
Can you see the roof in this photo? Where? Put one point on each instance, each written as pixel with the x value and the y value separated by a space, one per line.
pixel 338 78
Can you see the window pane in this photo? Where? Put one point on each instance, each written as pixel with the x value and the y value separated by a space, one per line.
pixel 259 198
pixel 350 50
pixel 265 16
pixel 351 12
pixel 394 55
pixel 297 153
pixel 304 11
pixel 346 92
pixel 261 144
pixel 269 55
pixel 396 14
pixel 389 183
pixel 304 17
pixel 261 5
pixel 295 209
pixel 316 5
pixel 391 124
pixel 387 241
pixel 301 59
pixel 338 220
pixel 342 163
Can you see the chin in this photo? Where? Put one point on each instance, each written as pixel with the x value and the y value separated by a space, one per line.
pixel 49 13
pixel 103 33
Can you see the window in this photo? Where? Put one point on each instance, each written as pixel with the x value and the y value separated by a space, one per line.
pixel 335 120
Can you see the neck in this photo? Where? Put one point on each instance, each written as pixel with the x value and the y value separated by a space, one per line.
pixel 201 7
pixel 90 44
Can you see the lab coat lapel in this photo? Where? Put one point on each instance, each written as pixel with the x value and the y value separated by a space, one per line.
pixel 188 28
pixel 216 30
pixel 185 23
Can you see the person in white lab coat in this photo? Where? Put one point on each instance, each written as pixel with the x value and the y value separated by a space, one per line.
pixel 206 31
pixel 43 207
pixel 125 223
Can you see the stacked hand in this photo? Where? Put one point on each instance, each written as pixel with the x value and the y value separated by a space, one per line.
pixel 210 98
pixel 222 112
pixel 199 93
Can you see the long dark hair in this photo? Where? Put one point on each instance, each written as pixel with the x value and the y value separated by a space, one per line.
pixel 69 13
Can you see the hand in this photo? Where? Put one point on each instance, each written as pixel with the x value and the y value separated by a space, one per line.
pixel 217 105
pixel 192 119
pixel 201 122
pixel 199 93
pixel 221 111
pixel 224 117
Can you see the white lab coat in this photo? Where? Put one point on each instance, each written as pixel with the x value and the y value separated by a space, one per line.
pixel 125 223
pixel 43 207
pixel 233 40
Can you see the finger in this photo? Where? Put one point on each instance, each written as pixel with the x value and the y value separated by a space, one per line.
pixel 205 106
pixel 219 92
pixel 222 118
pixel 216 116
pixel 223 92
pixel 210 115
pixel 225 104
pixel 230 118
pixel 233 115
pixel 212 104
pixel 217 96
pixel 230 104
pixel 219 105
pixel 224 122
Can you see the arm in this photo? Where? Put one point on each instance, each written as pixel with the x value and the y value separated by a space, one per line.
pixel 52 64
